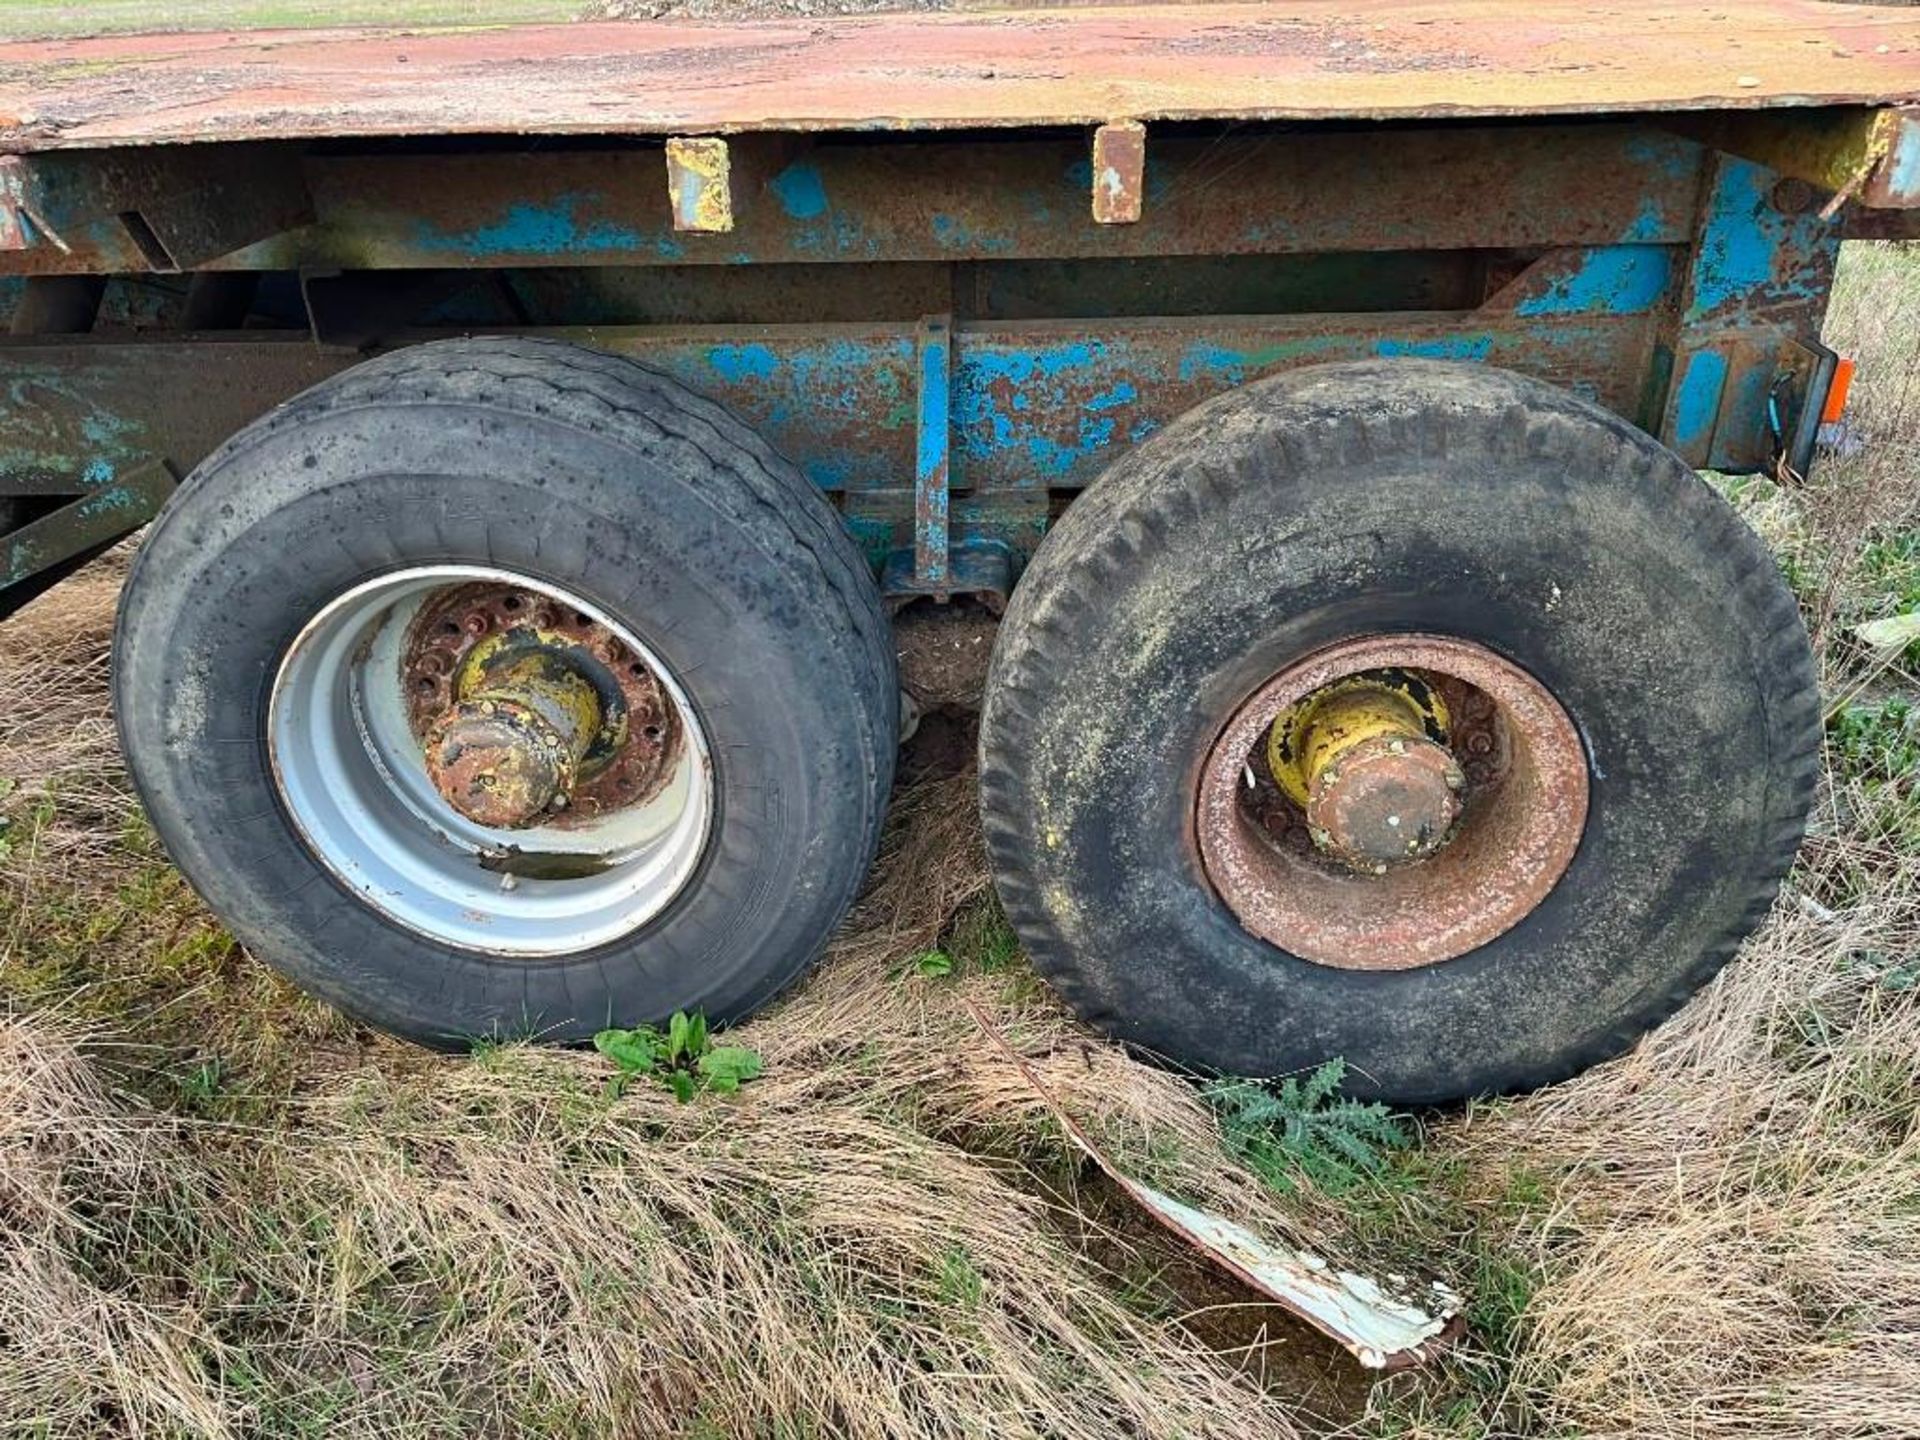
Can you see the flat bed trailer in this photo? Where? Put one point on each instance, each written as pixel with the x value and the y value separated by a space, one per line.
pixel 549 426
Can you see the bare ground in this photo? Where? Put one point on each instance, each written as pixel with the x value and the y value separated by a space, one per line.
pixel 225 1210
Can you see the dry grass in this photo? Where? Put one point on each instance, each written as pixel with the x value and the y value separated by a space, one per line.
pixel 873 1240
pixel 226 1211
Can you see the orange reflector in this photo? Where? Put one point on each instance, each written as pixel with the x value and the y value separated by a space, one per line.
pixel 1837 391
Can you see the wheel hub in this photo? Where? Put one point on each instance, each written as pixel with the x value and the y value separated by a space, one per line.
pixel 1367 760
pixel 511 746
pixel 529 712
pixel 1391 802
pixel 490 761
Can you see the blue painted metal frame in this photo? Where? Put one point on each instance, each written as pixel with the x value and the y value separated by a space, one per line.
pixel 930 500
pixel 1755 290
pixel 949 441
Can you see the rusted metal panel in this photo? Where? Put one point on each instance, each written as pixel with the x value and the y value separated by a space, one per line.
pixel 43 549
pixel 987 200
pixel 78 415
pixel 1595 280
pixel 1302 59
pixel 1035 406
pixel 170 209
pixel 1881 224
pixel 1048 405
pixel 1758 284
pixel 1119 172
pixel 1872 156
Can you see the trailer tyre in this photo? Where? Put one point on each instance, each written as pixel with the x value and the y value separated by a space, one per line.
pixel 500 687
pixel 1416 714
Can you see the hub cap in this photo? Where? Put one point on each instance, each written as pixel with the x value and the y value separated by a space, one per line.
pixel 1392 802
pixel 490 760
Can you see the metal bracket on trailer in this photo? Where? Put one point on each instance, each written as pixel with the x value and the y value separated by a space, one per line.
pixel 931 537
pixel 152 210
pixel 1798 397
pixel 50 548
pixel 1871 156
pixel 939 567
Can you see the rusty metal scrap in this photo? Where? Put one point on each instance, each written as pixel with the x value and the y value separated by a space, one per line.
pixel 1382 1328
pixel 1302 59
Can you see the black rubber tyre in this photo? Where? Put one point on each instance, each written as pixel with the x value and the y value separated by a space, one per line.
pixel 1347 500
pixel 588 472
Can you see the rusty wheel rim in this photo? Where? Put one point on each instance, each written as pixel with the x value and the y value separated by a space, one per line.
pixel 375 717
pixel 1507 780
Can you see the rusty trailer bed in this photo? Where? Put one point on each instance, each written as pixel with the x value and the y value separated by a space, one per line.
pixel 1303 60
pixel 1084 221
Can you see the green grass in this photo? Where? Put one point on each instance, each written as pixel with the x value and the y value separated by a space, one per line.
pixel 31 19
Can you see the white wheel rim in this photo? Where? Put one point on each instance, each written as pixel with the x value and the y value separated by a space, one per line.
pixel 352 777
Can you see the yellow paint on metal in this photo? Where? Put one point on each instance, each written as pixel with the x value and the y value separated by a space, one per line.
pixel 534 680
pixel 699 184
pixel 1307 740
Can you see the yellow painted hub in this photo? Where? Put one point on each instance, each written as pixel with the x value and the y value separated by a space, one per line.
pixel 1311 736
pixel 1367 760
pixel 512 745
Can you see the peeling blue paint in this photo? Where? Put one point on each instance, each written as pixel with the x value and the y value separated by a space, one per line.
pixel 1903 163
pixel 102 428
pixel 98 472
pixel 1649 224
pixel 737 363
pixel 550 229
pixel 1750 254
pixel 930 488
pixel 1696 403
pixel 1757 286
pixel 829 472
pixel 116 498
pixel 931 442
pixel 800 191
pixel 952 234
pixel 1446 347
pixel 1609 280
pixel 1668 155
pixel 1204 359
pixel 1025 400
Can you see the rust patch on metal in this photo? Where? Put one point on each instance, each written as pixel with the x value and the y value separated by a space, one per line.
pixel 1390 801
pixel 1300 60
pixel 1523 810
pixel 630 755
pixel 1119 172
pixel 501 762
pixel 700 185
